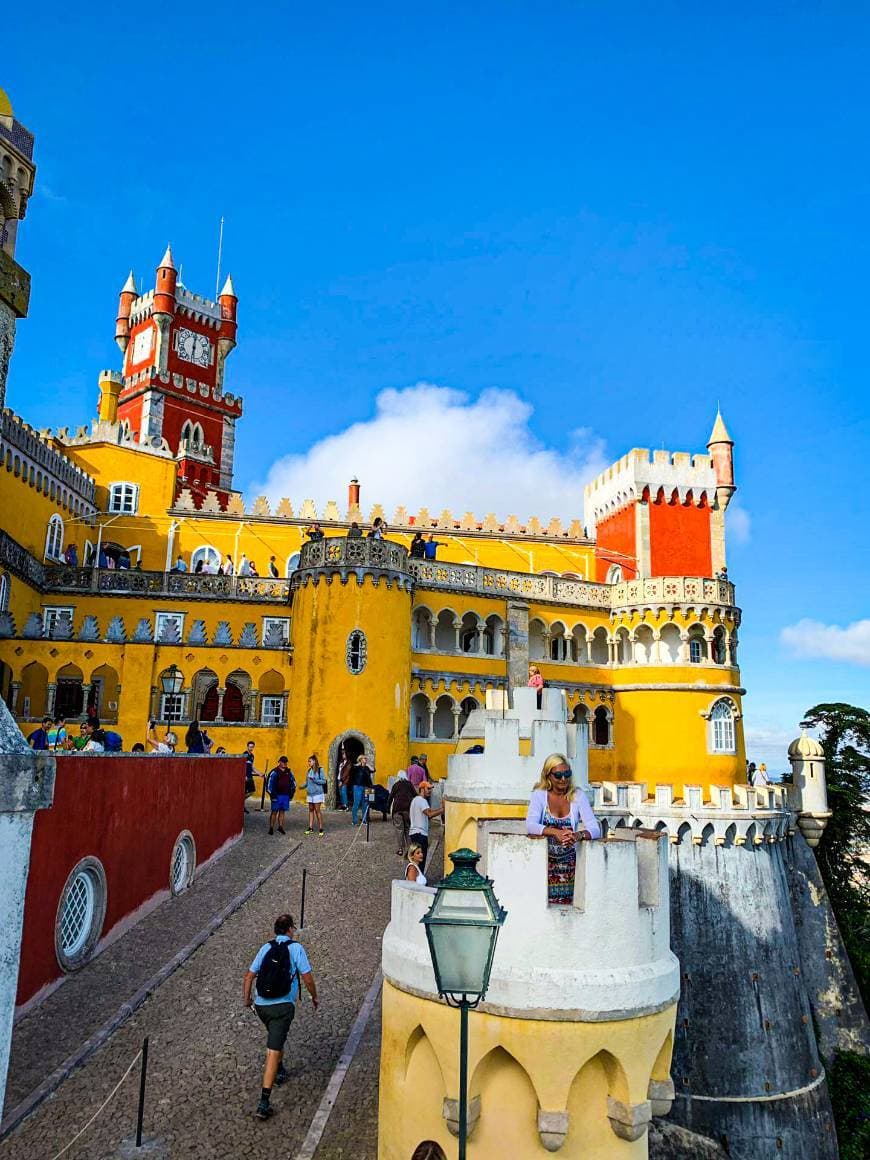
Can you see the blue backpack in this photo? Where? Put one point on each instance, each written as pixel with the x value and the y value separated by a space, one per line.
pixel 113 742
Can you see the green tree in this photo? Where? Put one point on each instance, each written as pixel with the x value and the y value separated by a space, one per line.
pixel 845 844
pixel 841 854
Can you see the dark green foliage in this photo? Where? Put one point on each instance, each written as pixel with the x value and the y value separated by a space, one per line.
pixel 845 737
pixel 849 1087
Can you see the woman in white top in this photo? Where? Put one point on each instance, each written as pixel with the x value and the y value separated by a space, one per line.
pixel 414 869
pixel 560 812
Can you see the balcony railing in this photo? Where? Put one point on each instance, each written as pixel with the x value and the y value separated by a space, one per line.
pixel 673 590
pixel 494 582
pixel 194 585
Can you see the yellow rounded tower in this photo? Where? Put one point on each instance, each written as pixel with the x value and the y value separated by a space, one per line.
pixel 351 635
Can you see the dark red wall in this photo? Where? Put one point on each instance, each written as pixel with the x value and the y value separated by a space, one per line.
pixel 614 538
pixel 128 812
pixel 679 538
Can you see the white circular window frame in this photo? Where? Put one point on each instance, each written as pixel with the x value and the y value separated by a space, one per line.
pixel 93 867
pixel 184 840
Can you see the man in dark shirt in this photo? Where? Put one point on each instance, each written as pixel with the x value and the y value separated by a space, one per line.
pixel 38 739
pixel 401 796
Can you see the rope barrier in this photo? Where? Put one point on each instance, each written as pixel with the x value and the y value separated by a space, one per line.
pixel 108 1098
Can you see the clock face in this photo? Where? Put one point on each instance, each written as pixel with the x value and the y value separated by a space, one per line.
pixel 193 347
pixel 142 344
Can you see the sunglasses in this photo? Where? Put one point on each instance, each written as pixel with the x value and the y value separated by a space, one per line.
pixel 561 774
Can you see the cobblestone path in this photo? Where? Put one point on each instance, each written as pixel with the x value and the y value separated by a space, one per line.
pixel 206 1049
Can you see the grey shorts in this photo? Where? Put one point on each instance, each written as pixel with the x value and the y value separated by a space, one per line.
pixel 276 1018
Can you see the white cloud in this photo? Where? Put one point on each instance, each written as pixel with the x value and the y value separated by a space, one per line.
pixel 811 638
pixel 739 523
pixel 430 446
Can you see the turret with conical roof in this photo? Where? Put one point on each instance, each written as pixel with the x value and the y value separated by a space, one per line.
pixel 721 448
pixel 122 322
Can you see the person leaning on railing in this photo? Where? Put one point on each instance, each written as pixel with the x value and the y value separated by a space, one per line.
pixel 560 812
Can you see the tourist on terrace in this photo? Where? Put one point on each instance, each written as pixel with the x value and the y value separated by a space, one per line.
pixel 273 568
pixel 276 970
pixel 194 739
pixel 536 681
pixel 361 779
pixel 354 531
pixel 166 747
pixel 418 547
pixel 314 533
pixel 227 567
pixel 416 772
pixel 315 789
pixel 244 566
pixel 280 787
pixel 414 869
pixel 378 530
pixel 401 796
pixel 38 739
pixel 421 812
pixel 57 734
pixel 561 813
pixel 430 550
pixel 180 565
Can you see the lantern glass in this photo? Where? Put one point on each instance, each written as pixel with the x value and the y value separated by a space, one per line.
pixel 172 680
pixel 462 926
pixel 462 954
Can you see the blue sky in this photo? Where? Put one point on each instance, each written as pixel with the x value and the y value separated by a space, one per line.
pixel 610 217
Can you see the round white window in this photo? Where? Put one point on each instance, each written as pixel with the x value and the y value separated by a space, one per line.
pixel 183 863
pixel 80 914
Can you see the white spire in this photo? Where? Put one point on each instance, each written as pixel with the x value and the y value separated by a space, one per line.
pixel 167 262
pixel 228 287
pixel 129 286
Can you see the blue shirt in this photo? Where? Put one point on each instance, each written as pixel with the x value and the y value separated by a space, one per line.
pixel 315 786
pixel 430 548
pixel 298 962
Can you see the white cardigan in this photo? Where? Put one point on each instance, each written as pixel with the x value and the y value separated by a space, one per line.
pixel 582 817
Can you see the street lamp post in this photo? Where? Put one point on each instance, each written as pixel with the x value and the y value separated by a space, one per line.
pixel 462 927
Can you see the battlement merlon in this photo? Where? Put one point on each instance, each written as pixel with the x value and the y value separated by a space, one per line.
pixel 607 957
pixel 626 481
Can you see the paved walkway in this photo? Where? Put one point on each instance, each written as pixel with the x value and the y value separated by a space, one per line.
pixel 206 1048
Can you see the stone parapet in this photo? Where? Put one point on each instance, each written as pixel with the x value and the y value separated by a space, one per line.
pixel 18 436
pixel 341 557
pixel 184 585
pixel 607 957
pixel 723 815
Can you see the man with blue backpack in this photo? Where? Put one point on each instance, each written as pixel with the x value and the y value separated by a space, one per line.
pixel 276 970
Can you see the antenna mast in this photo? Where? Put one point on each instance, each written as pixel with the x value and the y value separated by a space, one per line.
pixel 217 281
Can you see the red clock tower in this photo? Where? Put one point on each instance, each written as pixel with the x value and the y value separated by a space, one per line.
pixel 175 344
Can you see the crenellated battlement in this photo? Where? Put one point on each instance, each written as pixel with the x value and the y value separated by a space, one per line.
pixel 503 772
pixel 606 957
pixel 644 473
pixel 715 814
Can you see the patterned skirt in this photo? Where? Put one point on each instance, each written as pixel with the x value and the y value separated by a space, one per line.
pixel 561 865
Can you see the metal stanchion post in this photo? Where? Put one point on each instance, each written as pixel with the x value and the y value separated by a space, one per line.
pixel 142 1077
pixel 302 914
pixel 263 794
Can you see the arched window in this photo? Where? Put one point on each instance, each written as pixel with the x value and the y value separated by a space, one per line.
pixel 208 557
pixel 356 651
pixel 721 739
pixel 697 645
pixel 601 726
pixel 466 708
pixel 292 565
pixel 419 715
pixel 123 498
pixel 614 574
pixel 54 539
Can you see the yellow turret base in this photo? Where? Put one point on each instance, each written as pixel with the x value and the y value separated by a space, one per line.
pixel 535 1086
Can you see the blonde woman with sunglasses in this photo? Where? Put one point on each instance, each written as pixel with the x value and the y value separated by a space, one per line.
pixel 561 813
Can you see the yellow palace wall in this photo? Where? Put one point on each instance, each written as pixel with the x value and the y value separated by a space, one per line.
pixel 516 1066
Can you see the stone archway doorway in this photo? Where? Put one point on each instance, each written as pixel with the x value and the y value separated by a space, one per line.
pixel 350 744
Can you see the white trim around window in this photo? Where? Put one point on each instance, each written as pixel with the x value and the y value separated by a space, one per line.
pixel 54 538
pixel 721 727
pixel 123 498
pixel 272 709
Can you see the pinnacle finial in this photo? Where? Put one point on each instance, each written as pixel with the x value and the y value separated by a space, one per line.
pixel 167 263
pixel 129 286
pixel 719 433
pixel 228 287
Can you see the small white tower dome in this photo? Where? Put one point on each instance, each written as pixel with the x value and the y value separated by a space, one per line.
pixel 805 746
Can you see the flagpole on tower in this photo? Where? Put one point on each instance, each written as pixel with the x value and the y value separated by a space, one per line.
pixel 217 281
